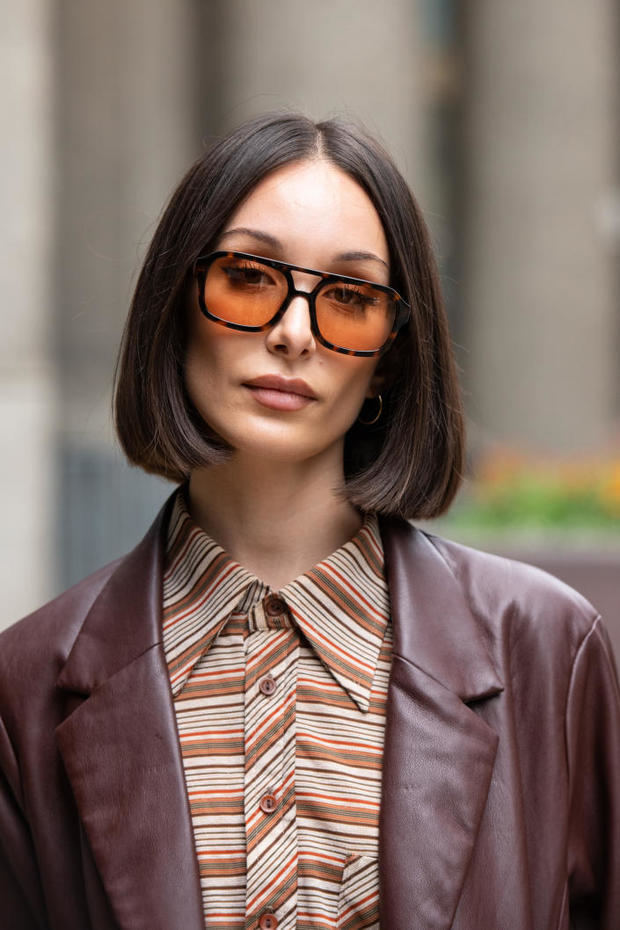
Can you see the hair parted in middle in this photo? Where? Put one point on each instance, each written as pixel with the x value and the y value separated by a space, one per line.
pixel 409 463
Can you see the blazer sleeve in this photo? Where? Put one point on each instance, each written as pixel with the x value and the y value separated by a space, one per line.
pixel 593 746
pixel 21 898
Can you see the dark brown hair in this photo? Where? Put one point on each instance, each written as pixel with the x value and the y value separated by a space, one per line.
pixel 410 462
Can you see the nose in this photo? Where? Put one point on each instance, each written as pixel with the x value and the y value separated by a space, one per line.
pixel 292 335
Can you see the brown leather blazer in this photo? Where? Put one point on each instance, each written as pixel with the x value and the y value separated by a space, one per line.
pixel 501 778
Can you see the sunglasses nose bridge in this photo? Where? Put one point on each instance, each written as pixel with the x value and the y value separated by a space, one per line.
pixel 295 277
pixel 293 299
pixel 293 295
pixel 309 280
pixel 294 324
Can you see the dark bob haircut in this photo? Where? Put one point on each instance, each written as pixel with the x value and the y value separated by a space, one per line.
pixel 410 462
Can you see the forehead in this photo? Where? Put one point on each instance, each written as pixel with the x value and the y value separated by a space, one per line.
pixel 313 204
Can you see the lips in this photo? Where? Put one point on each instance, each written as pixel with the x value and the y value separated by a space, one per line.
pixel 283 395
pixel 284 385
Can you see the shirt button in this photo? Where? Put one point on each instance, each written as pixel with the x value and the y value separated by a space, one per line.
pixel 274 606
pixel 267 685
pixel 268 803
pixel 268 922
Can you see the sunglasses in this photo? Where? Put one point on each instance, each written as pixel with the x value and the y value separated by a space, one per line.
pixel 250 293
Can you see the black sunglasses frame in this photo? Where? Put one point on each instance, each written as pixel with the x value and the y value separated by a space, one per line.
pixel 402 315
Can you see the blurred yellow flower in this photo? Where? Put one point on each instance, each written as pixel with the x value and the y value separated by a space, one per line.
pixel 509 488
pixel 610 489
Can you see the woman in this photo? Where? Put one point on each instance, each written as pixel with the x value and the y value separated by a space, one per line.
pixel 287 707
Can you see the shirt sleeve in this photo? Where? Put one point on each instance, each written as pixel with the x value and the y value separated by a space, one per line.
pixel 593 746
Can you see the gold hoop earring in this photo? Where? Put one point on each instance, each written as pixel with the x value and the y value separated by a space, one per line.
pixel 376 416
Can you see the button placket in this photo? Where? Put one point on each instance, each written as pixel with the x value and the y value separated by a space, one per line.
pixel 269 728
pixel 268 921
pixel 267 685
pixel 268 803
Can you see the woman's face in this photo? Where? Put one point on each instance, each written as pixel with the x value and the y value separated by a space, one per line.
pixel 314 215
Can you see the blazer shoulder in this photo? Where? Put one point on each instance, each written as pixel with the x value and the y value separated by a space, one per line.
pixel 38 645
pixel 497 586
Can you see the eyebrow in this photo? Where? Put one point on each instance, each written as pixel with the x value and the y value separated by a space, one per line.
pixel 267 239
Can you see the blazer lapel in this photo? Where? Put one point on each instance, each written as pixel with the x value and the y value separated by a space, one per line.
pixel 122 757
pixel 121 752
pixel 439 754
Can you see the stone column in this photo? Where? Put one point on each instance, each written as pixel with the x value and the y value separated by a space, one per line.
pixel 28 407
pixel 331 57
pixel 126 133
pixel 539 282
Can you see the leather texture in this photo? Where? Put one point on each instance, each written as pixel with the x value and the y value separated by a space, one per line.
pixel 501 778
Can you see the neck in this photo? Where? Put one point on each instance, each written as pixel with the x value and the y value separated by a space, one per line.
pixel 276 519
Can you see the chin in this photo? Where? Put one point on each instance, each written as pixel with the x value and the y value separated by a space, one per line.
pixel 280 453
pixel 283 449
pixel 279 438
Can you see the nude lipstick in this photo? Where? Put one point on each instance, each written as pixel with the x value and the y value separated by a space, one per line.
pixel 280 393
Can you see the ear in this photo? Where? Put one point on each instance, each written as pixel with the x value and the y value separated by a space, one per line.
pixel 378 381
pixel 388 368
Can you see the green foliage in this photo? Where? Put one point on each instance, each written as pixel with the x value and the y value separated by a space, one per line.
pixel 509 492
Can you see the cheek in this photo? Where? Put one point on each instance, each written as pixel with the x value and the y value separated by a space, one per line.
pixel 354 385
pixel 356 381
pixel 208 348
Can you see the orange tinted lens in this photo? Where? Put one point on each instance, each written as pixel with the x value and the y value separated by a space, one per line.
pixel 355 316
pixel 243 291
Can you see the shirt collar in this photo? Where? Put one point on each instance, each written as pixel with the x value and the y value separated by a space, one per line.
pixel 341 605
pixel 202 587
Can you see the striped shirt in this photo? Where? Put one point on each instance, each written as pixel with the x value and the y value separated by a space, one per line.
pixel 280 707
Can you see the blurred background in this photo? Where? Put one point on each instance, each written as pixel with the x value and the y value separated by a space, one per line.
pixel 505 119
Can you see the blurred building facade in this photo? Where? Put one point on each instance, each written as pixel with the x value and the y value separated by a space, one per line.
pixel 504 118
